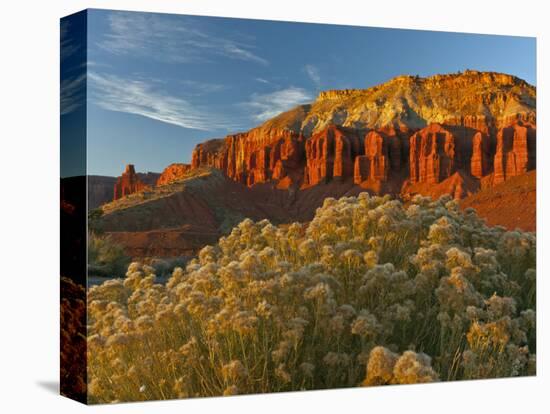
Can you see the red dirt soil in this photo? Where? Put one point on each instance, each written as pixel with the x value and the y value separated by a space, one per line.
pixel 511 204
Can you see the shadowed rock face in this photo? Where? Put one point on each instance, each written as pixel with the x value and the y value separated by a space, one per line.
pixel 148 178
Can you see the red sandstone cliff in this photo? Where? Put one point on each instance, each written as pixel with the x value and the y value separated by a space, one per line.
pixel 173 172
pixel 386 138
pixel 404 132
pixel 433 155
pixel 481 162
pixel 250 159
pixel 515 152
pixel 382 153
pixel 330 154
pixel 128 183
pixel 429 155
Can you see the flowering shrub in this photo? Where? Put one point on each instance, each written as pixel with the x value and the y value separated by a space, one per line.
pixel 370 292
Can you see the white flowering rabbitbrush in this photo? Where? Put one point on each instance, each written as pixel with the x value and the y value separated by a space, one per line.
pixel 370 292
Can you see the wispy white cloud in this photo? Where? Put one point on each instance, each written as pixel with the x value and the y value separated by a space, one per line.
pixel 139 97
pixel 265 106
pixel 72 94
pixel 314 74
pixel 169 39
pixel 262 80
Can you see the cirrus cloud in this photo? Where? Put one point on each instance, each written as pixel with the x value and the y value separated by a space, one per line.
pixel 138 97
pixel 268 105
pixel 171 39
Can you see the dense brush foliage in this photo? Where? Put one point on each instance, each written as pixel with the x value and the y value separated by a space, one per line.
pixel 105 257
pixel 370 292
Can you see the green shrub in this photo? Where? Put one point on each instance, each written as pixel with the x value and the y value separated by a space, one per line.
pixel 105 257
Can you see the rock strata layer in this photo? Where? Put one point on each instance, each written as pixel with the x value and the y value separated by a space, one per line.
pixel 405 131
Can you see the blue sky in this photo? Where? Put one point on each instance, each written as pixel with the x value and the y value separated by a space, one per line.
pixel 158 84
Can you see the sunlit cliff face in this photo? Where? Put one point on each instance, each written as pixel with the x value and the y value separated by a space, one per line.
pixel 427 130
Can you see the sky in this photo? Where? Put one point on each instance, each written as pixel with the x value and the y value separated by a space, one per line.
pixel 158 84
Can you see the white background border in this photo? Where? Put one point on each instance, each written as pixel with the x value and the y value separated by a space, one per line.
pixel 29 163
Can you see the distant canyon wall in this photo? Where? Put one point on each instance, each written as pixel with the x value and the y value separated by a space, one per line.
pixel 408 134
pixel 429 155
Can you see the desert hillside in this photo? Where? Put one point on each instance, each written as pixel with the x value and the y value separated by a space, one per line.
pixel 511 204
pixel 181 217
pixel 471 135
